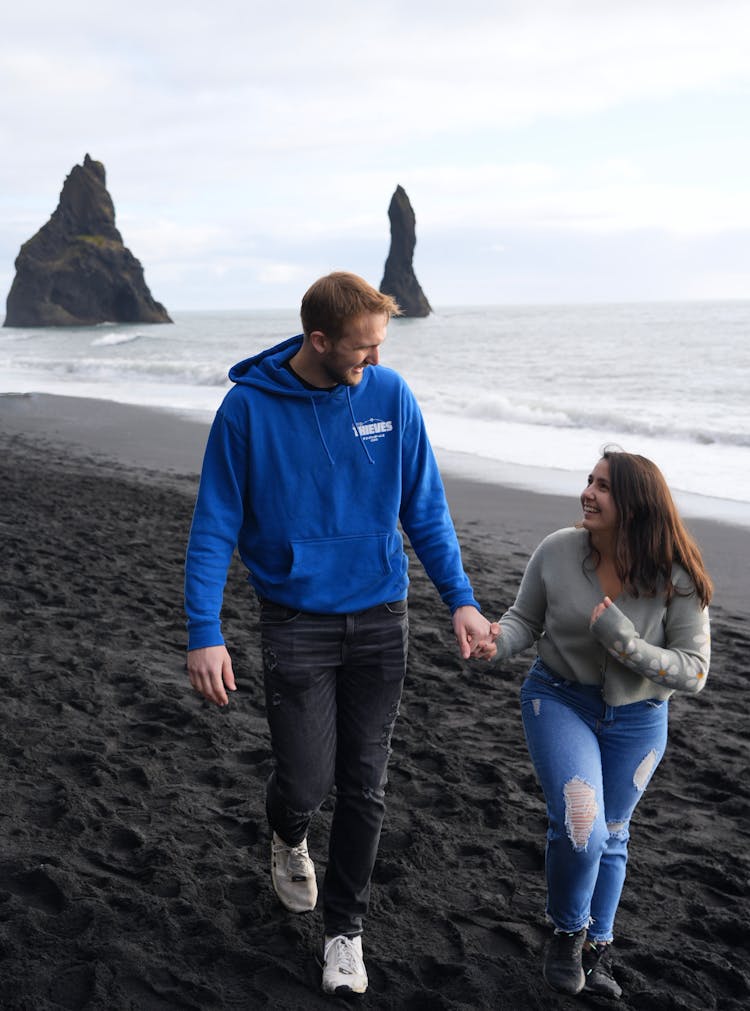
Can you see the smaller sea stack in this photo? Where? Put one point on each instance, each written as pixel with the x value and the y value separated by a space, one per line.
pixel 399 279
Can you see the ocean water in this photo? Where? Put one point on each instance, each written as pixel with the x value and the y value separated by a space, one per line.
pixel 523 395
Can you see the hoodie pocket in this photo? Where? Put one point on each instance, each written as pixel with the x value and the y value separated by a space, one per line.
pixel 340 560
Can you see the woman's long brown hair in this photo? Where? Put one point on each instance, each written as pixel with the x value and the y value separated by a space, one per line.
pixel 651 536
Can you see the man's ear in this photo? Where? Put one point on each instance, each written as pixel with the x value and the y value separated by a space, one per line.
pixel 320 342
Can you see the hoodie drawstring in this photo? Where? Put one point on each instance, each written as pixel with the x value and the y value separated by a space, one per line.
pixel 356 427
pixel 356 430
pixel 320 432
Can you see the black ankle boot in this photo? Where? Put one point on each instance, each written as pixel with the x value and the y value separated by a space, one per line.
pixel 562 962
pixel 599 979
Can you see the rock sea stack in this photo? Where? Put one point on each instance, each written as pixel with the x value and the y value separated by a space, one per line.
pixel 399 279
pixel 76 270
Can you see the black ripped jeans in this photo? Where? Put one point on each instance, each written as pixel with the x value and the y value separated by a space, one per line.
pixel 333 686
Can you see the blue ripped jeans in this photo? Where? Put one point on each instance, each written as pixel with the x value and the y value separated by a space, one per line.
pixel 593 762
pixel 333 685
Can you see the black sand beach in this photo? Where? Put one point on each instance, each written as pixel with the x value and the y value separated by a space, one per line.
pixel 134 860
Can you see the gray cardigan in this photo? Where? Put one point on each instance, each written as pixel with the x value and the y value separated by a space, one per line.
pixel 639 648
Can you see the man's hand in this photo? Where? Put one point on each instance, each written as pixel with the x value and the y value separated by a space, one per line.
pixel 210 670
pixel 473 632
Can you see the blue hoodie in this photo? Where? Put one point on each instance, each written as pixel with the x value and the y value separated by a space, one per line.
pixel 310 486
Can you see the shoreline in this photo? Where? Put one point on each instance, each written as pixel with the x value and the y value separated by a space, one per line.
pixel 547 481
pixel 162 442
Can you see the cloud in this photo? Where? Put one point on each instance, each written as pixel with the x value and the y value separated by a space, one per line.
pixel 242 132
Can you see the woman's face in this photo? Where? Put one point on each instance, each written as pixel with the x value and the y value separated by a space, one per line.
pixel 599 509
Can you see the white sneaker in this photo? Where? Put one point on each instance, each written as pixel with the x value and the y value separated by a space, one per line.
pixel 293 875
pixel 343 969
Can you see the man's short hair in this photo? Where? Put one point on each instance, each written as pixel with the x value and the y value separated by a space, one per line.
pixel 338 297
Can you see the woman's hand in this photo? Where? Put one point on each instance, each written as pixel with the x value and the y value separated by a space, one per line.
pixel 487 650
pixel 600 609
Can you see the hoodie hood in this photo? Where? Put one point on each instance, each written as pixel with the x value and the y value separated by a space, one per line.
pixel 267 371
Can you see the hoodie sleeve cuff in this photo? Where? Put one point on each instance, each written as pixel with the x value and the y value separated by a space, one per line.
pixel 205 635
pixel 469 602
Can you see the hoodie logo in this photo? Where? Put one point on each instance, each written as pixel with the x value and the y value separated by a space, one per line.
pixel 372 430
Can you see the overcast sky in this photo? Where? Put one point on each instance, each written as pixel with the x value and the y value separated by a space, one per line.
pixel 552 150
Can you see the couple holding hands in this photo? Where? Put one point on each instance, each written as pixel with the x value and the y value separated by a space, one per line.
pixel 315 457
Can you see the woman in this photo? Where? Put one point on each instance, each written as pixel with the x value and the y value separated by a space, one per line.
pixel 618 609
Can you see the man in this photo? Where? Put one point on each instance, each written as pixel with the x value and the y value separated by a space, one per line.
pixel 313 458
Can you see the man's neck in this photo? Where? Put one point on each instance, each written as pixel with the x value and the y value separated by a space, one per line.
pixel 308 370
pixel 310 377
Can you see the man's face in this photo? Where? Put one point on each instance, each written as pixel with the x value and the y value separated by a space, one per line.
pixel 345 360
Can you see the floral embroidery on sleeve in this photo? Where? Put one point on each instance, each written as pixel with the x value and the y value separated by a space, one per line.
pixel 681 664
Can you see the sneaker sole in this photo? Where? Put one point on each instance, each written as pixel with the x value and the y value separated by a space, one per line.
pixel 345 993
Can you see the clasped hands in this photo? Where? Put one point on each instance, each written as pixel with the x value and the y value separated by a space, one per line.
pixel 475 635
pixel 481 642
